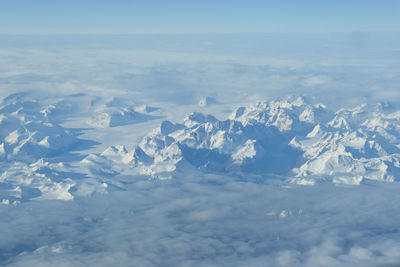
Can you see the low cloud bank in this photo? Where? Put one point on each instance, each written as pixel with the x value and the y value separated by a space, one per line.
pixel 208 221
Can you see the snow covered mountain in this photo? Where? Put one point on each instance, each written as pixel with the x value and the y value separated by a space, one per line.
pixel 117 112
pixel 254 139
pixel 38 156
pixel 359 143
pixel 27 130
pixel 29 139
pixel 288 137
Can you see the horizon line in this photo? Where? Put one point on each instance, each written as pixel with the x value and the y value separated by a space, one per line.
pixel 184 33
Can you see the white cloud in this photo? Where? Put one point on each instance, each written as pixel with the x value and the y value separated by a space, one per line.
pixel 207 220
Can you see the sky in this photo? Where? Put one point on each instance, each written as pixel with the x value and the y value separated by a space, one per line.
pixel 208 16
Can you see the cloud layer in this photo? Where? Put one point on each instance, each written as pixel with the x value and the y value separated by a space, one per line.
pixel 207 221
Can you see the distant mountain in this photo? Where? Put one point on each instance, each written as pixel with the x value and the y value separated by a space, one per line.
pixel 29 138
pixel 359 143
pixel 112 117
pixel 28 131
pixel 38 155
pixel 288 137
pixel 292 139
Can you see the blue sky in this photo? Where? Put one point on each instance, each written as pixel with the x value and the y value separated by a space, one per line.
pixel 178 16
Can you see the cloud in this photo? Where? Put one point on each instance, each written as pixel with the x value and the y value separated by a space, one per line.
pixel 204 221
pixel 184 69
